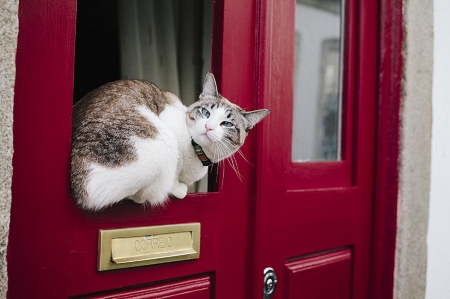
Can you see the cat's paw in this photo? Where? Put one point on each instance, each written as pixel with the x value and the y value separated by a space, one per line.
pixel 179 190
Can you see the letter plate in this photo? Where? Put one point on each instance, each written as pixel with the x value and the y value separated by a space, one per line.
pixel 140 246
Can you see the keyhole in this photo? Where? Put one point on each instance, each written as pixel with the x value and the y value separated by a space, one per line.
pixel 270 282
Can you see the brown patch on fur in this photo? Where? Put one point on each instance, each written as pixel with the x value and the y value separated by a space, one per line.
pixel 103 122
pixel 171 98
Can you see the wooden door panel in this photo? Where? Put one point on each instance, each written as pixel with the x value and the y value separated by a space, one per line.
pixel 195 288
pixel 63 261
pixel 321 219
pixel 304 208
pixel 84 277
pixel 326 275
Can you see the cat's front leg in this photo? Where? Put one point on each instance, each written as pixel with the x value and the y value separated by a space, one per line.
pixel 179 190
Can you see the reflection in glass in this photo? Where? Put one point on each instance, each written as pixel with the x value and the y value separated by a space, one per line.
pixel 318 80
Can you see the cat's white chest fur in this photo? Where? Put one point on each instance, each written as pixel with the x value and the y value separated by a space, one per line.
pixel 189 167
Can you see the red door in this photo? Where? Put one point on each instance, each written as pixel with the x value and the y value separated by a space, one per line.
pixel 309 221
pixel 313 218
pixel 53 248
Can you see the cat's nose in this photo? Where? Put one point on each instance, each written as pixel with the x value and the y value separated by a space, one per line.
pixel 208 128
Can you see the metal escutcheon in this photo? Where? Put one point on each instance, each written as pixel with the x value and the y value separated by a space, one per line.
pixel 270 282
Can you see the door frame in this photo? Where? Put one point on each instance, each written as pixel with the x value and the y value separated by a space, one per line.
pixel 390 41
pixel 390 67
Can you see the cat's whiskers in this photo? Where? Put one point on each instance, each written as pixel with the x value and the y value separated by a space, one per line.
pixel 233 164
pixel 223 172
pixel 243 157
pixel 238 150
pixel 217 149
pixel 230 147
pixel 220 152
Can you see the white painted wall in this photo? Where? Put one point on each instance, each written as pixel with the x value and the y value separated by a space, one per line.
pixel 415 150
pixel 438 266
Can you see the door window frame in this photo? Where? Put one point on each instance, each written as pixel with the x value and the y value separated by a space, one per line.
pixel 339 173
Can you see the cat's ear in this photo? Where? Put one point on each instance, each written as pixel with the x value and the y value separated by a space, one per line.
pixel 210 86
pixel 254 117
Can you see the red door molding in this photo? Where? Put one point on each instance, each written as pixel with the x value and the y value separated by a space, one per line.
pixel 390 63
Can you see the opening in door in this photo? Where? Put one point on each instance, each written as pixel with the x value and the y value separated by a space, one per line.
pixel 165 42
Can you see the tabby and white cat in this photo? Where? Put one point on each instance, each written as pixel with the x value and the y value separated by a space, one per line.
pixel 132 140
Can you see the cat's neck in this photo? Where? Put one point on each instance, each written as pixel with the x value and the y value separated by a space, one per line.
pixel 207 151
pixel 201 155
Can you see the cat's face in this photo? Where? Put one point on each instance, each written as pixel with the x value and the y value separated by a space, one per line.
pixel 218 125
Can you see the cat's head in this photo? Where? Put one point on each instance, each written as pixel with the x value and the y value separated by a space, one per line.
pixel 217 125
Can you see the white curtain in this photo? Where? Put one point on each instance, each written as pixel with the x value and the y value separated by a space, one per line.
pixel 167 42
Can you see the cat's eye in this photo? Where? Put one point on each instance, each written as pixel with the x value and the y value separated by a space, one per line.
pixel 205 112
pixel 227 124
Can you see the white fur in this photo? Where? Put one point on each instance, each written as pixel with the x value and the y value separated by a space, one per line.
pixel 206 138
pixel 165 165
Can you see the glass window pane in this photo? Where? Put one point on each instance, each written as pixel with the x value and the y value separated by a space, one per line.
pixel 318 80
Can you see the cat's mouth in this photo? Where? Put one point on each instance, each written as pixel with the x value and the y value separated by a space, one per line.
pixel 212 136
pixel 207 137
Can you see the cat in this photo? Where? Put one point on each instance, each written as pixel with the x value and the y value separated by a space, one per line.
pixel 131 140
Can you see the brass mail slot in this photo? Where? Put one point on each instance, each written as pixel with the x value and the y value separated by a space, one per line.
pixel 140 246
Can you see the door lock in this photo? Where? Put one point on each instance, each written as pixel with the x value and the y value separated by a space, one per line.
pixel 270 282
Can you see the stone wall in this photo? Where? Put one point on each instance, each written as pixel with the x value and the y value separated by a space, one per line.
pixel 8 44
pixel 415 150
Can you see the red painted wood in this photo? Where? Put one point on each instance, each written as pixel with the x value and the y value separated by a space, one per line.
pixel 217 230
pixel 237 63
pixel 313 175
pixel 196 288
pixel 53 244
pixel 304 208
pixel 389 97
pixel 39 232
pixel 327 275
pixel 83 275
pixel 280 211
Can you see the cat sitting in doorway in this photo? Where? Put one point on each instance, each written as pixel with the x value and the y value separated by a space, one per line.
pixel 132 140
